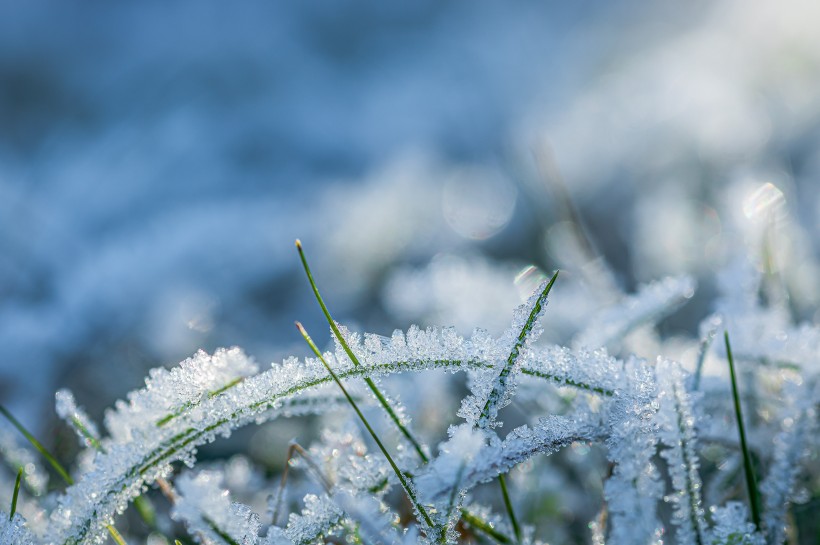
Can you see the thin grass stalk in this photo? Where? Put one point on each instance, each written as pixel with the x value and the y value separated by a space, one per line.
pixel 338 334
pixel 751 481
pixel 692 492
pixel 296 448
pixel 37 445
pixel 474 520
pixel 411 495
pixel 508 505
pixel 54 463
pixel 16 493
pixel 501 383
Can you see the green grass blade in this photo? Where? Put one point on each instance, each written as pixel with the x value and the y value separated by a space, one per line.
pixel 372 385
pixel 508 505
pixel 53 462
pixel 405 484
pixel 513 357
pixel 485 527
pixel 218 531
pixel 37 445
pixel 16 493
pixel 751 481
pixel 115 535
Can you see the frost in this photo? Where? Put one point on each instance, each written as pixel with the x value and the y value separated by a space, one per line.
pixel 14 531
pixel 732 526
pixel 207 510
pixel 637 412
pixel 167 393
pixel 676 423
pixel 791 447
pixel 318 518
pixel 466 460
pixel 77 418
pixel 633 490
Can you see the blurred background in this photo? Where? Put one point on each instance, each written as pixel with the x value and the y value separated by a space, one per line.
pixel 158 159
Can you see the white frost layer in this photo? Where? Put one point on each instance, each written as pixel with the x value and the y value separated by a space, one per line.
pixel 14 531
pixel 206 509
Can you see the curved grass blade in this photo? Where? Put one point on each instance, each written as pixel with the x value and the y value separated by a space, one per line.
pixel 54 463
pixel 37 445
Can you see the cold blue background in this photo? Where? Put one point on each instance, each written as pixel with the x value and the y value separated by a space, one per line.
pixel 157 160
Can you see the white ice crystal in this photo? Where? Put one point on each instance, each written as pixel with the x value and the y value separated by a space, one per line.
pixel 465 461
pixel 14 531
pixel 166 393
pixel 732 526
pixel 676 432
pixel 319 517
pixel 633 490
pixel 76 417
pixel 791 447
pixel 206 509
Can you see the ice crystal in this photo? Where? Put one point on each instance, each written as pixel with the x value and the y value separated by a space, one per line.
pixel 634 488
pixel 318 518
pixel 633 408
pixel 14 531
pixel 791 446
pixel 77 418
pixel 206 509
pixel 677 433
pixel 732 526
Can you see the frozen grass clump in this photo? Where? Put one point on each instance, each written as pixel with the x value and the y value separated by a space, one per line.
pixel 710 451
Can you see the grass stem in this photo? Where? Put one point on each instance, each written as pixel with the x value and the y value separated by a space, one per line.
pixel 16 493
pixel 37 445
pixel 338 334
pixel 54 463
pixel 402 479
pixel 751 481
pixel 508 505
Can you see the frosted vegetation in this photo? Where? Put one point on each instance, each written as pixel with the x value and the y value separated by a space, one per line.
pixel 647 449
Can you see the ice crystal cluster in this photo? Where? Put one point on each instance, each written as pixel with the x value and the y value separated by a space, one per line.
pixel 652 443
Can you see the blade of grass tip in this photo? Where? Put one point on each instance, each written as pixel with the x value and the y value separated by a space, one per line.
pixel 703 350
pixel 501 384
pixel 474 520
pixel 16 493
pixel 484 526
pixel 407 488
pixel 751 481
pixel 37 445
pixel 508 505
pixel 338 334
